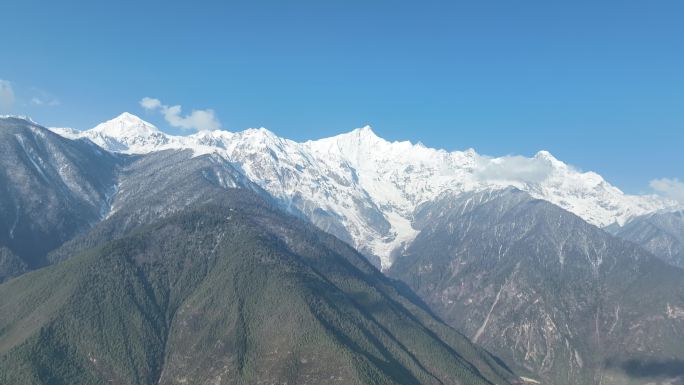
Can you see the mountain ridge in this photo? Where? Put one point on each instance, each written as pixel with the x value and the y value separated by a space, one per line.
pixel 661 233
pixel 545 290
pixel 229 294
pixel 51 189
pixel 365 189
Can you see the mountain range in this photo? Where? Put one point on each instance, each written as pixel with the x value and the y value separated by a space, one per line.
pixel 194 275
pixel 364 189
pixel 224 257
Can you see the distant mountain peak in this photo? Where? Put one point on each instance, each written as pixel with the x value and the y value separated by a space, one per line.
pixel 126 124
pixel 125 133
pixel 260 132
pixel 358 136
pixel 365 131
pixel 129 116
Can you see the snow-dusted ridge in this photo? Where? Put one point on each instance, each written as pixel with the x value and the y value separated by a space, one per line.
pixel 365 189
pixel 23 117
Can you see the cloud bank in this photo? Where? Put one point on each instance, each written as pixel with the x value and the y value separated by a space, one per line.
pixel 201 120
pixel 669 188
pixel 6 96
pixel 512 169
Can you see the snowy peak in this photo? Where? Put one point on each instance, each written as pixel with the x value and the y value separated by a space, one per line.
pixel 358 138
pixel 362 148
pixel 364 134
pixel 126 125
pixel 359 135
pixel 547 156
pixel 259 137
pixel 126 133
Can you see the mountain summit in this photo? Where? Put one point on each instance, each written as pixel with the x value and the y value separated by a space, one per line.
pixel 124 125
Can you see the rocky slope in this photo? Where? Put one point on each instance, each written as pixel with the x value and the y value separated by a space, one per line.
pixel 563 299
pixel 51 189
pixel 660 233
pixel 148 190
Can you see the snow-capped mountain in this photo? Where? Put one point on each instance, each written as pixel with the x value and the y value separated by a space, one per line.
pixel 126 133
pixel 365 189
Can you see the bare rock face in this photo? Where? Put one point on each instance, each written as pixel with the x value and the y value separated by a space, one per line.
pixel 563 300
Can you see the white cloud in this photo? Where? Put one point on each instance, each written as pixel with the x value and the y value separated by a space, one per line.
pixel 41 101
pixel 669 188
pixel 150 103
pixel 6 96
pixel 201 120
pixel 512 168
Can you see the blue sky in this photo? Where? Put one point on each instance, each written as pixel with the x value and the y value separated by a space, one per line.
pixel 600 84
